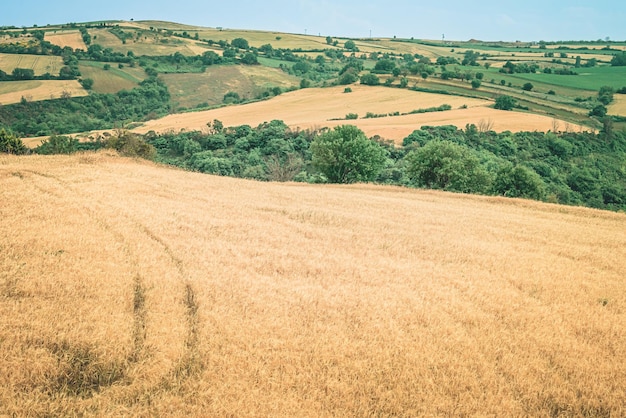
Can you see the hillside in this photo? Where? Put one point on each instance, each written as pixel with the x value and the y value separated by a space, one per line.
pixel 130 289
pixel 556 83
pixel 315 107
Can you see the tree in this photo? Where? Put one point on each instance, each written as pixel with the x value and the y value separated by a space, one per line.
pixel 447 166
pixel 527 86
pixel 384 66
pixel 11 144
pixel 346 155
pixel 87 83
pixel 519 181
pixel 370 79
pixel 23 74
pixel 619 60
pixel 605 95
pixel 240 43
pixel 350 46
pixel 599 111
pixel 329 40
pixel 505 102
pixel 348 77
pixel 249 59
pixel 475 83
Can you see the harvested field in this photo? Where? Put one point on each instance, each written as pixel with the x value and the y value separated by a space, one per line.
pixel 73 39
pixel 148 43
pixel 195 295
pixel 35 90
pixel 618 107
pixel 41 64
pixel 314 108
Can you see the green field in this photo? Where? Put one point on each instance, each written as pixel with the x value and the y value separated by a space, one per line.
pixel 113 79
pixel 208 88
pixel 590 79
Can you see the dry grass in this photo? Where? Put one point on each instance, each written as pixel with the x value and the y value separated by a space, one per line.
pixel 148 43
pixel 128 289
pixel 310 108
pixel 189 90
pixel 618 107
pixel 41 64
pixel 72 38
pixel 34 90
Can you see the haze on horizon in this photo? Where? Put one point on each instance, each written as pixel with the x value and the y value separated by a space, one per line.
pixel 492 20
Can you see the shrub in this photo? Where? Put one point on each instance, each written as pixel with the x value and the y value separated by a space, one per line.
pixel 370 79
pixel 58 144
pixel 505 102
pixel 131 145
pixel 231 97
pixel 519 181
pixel 11 144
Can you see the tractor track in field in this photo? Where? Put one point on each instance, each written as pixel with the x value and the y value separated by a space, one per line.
pixel 189 363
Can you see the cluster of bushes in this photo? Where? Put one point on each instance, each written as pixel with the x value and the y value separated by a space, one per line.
pixel 96 111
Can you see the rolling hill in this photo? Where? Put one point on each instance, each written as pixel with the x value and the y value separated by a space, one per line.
pixel 202 66
pixel 130 289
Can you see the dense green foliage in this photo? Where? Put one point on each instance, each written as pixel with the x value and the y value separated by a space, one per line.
pixel 346 155
pixel 270 151
pixel 447 166
pixel 571 168
pixel 10 143
pixel 96 111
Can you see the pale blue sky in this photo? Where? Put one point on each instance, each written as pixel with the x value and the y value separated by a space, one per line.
pixel 489 20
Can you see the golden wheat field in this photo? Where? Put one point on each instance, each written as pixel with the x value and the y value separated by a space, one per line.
pixel 35 90
pixel 618 107
pixel 71 38
pixel 130 289
pixel 40 64
pixel 315 108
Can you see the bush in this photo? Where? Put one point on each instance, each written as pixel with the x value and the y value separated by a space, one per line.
pixel 58 144
pixel 505 102
pixel 11 144
pixel 370 79
pixel 231 97
pixel 519 181
pixel 131 145
pixel 599 111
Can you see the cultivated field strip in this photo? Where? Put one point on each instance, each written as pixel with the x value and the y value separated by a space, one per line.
pixel 198 295
pixel 315 108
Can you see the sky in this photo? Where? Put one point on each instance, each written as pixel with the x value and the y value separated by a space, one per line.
pixel 524 20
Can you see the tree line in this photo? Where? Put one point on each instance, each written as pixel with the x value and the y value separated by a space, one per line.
pixel 573 168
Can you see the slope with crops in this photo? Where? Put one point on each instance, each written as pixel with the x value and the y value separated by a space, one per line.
pixel 190 294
